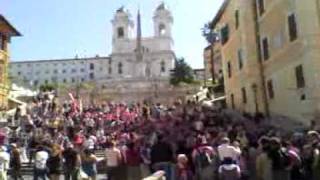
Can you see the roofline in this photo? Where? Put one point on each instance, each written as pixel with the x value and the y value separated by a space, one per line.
pixel 16 32
pixel 219 14
pixel 59 60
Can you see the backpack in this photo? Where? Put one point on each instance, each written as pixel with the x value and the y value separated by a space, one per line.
pixel 202 159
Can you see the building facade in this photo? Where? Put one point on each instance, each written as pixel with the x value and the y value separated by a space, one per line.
pixel 61 71
pixel 135 61
pixel 215 59
pixel 270 52
pixel 6 32
pixel 199 74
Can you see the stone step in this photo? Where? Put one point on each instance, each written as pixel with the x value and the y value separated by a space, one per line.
pixel 27 168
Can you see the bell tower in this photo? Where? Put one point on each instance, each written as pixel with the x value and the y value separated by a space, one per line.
pixel 162 21
pixel 122 25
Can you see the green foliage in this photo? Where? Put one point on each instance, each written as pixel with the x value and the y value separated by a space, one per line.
pixel 48 87
pixel 182 73
pixel 208 33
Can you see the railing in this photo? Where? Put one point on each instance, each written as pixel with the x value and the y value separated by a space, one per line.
pixel 159 175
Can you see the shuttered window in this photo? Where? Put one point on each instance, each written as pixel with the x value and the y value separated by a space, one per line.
pixel 232 101
pixel 224 34
pixel 244 95
pixel 270 89
pixel 292 25
pixel 261 7
pixel 229 69
pixel 300 77
pixel 265 49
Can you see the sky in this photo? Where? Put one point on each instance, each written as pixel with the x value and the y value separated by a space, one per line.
pixel 54 29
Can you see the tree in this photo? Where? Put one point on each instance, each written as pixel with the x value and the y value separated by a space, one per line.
pixel 182 73
pixel 211 37
pixel 208 33
pixel 48 87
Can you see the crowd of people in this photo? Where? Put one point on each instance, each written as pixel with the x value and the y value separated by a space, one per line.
pixel 187 141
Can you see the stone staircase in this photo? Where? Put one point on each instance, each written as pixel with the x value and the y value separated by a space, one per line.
pixel 27 168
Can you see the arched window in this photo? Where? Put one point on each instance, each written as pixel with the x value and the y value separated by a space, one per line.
pixel 162 29
pixel 120 32
pixel 120 68
pixel 163 66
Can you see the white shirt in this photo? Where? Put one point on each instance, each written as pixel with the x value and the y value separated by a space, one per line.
pixel 89 143
pixel 41 159
pixel 4 160
pixel 227 151
pixel 113 156
pixel 229 168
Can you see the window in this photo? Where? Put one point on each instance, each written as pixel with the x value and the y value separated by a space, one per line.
pixel 73 80
pixel 47 71
pixel 120 32
pixel 240 58
pixel 54 79
pixel 265 49
pixel 91 75
pixel 1 42
pixel 73 70
pixel 35 82
pixel 65 80
pixel 237 18
pixel 261 7
pixel 162 29
pixel 55 71
pixel 110 70
pixel 293 33
pixel 82 79
pixel 163 66
pixel 232 101
pixel 270 89
pixel 82 69
pixel 19 73
pixel 120 68
pixel 229 69
pixel 300 77
pixel 244 95
pixel 224 34
pixel 64 71
pixel 91 66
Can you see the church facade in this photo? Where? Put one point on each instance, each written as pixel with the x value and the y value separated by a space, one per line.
pixel 142 57
pixel 135 63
